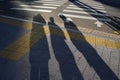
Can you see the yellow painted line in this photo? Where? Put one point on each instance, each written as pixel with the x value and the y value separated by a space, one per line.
pixel 67 36
pixel 37 33
pixel 17 49
pixel 47 30
pixel 116 32
pixel 90 39
pixel 20 47
pixel 87 38
pixel 118 45
pixel 103 42
pixel 23 24
pixel 100 41
pixel 111 44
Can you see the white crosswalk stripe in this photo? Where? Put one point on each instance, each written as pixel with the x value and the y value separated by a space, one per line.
pixel 84 10
pixel 50 2
pixel 54 0
pixel 94 6
pixel 51 5
pixel 47 7
pixel 86 17
pixel 35 10
pixel 40 6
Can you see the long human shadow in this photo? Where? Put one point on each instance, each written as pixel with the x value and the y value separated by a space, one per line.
pixel 111 21
pixel 90 54
pixel 64 56
pixel 39 52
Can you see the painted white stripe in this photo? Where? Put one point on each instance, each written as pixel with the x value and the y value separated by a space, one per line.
pixel 31 21
pixel 29 9
pixel 97 6
pixel 87 7
pixel 92 3
pixel 51 2
pixel 40 7
pixel 77 8
pixel 51 5
pixel 102 7
pixel 48 0
pixel 82 12
pixel 79 3
pixel 85 17
pixel 20 19
pixel 103 11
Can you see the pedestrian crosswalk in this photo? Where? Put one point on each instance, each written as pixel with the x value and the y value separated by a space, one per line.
pixel 102 9
pixel 40 6
pixel 82 9
pixel 86 9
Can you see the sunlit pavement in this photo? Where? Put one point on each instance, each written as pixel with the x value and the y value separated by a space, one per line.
pixel 58 49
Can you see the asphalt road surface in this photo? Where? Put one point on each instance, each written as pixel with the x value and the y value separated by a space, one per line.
pixel 88 14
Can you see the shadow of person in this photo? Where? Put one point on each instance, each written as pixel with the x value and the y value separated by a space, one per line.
pixel 63 55
pixel 90 54
pixel 39 52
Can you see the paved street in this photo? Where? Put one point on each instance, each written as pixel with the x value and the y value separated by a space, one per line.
pixel 87 14
pixel 59 40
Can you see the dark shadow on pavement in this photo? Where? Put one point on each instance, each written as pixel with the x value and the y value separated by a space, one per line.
pixel 5 5
pixel 111 21
pixel 6 9
pixel 39 52
pixel 64 56
pixel 113 3
pixel 90 54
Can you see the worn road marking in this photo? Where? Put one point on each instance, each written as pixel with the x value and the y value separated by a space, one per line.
pixel 48 7
pixel 20 47
pixel 29 9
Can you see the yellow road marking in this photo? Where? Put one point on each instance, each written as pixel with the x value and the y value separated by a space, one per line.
pixel 116 32
pixel 90 39
pixel 87 38
pixel 111 44
pixel 47 30
pixel 20 47
pixel 100 41
pixel 17 49
pixel 67 36
pixel 23 24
